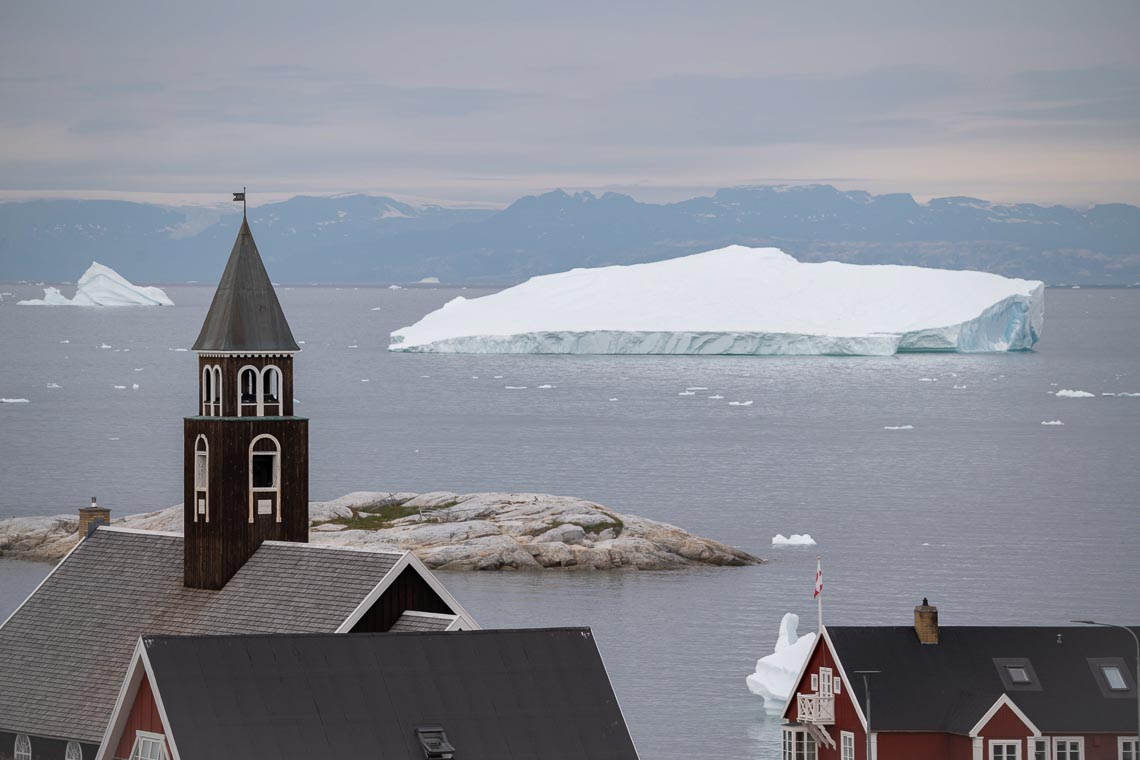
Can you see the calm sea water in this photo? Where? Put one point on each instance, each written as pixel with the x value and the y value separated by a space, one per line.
pixel 993 516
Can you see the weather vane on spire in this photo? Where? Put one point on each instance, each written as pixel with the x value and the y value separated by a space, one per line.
pixel 241 197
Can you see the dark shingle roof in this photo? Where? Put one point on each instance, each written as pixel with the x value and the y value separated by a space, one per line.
pixel 245 314
pixel 950 685
pixel 65 651
pixel 412 620
pixel 499 695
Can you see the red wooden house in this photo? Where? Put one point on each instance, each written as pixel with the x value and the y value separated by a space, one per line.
pixel 965 693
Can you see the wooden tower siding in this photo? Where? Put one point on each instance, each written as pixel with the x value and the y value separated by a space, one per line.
pixel 215 549
pixel 408 592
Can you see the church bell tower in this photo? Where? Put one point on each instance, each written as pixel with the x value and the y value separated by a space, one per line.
pixel 246 455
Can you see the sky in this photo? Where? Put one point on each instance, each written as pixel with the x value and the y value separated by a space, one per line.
pixel 480 103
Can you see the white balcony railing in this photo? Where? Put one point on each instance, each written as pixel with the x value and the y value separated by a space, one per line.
pixel 816 708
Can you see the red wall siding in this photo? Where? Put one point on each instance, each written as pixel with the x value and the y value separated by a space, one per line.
pixel 846 719
pixel 143 717
pixel 1005 725
pixel 898 745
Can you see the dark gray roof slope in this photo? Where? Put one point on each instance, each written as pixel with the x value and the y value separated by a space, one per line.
pixel 412 620
pixel 65 651
pixel 540 693
pixel 245 314
pixel 950 685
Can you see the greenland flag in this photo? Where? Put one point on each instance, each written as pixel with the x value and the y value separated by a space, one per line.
pixel 818 579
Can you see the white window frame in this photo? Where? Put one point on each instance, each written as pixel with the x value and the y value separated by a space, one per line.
pixel 836 684
pixel 826 679
pixel 788 738
pixel 207 390
pixel 218 396
pixel 23 747
pixel 815 681
pixel 256 403
pixel 1104 668
pixel 276 487
pixel 200 486
pixel 1035 743
pixel 147 736
pixel 1080 741
pixel 73 752
pixel 1134 741
pixel 995 743
pixel 846 745
pixel 262 397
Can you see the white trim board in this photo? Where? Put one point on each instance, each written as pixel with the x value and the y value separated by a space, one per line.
pixel 997 705
pixel 406 560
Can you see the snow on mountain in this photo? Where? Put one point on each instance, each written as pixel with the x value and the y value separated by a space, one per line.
pixel 740 300
pixel 103 286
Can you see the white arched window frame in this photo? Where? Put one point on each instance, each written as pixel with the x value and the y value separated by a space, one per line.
pixel 271 389
pixel 264 476
pixel 149 746
pixel 201 479
pixel 249 392
pixel 23 748
pixel 74 751
pixel 207 391
pixel 218 409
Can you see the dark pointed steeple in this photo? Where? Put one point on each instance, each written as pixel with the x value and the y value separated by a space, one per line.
pixel 245 314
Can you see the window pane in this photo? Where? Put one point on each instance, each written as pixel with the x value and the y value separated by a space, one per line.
pixel 1114 677
pixel 200 471
pixel 1017 674
pixel 263 470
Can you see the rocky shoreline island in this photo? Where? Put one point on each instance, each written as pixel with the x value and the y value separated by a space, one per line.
pixel 447 531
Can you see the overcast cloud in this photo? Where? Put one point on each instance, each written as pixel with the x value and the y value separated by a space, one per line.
pixel 487 101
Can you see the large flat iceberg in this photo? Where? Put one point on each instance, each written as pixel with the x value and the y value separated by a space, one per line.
pixel 739 300
pixel 103 286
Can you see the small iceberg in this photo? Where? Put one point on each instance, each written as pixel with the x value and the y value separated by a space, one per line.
pixel 103 286
pixel 898 427
pixel 740 301
pixel 1052 422
pixel 776 673
pixel 1068 393
pixel 796 539
pixel 428 281
pixel 13 401
pixel 740 403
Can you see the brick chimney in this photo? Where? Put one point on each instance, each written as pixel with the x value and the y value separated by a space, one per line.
pixel 926 622
pixel 88 516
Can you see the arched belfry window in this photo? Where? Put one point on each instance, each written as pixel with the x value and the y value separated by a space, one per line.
pixel 265 477
pixel 201 479
pixel 249 390
pixel 209 391
pixel 74 751
pixel 23 749
pixel 271 391
pixel 218 391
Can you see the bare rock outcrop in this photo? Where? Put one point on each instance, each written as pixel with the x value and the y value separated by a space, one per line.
pixel 449 531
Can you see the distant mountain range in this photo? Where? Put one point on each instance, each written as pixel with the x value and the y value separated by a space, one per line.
pixel 375 239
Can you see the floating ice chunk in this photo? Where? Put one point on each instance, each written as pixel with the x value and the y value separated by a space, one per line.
pixel 300 343
pixel 134 386
pixel 1052 422
pixel 740 403
pixel 515 387
pixel 139 369
pixel 364 379
pixel 120 387
pixel 104 345
pixel 424 377
pixel 103 286
pixel 428 281
pixel 928 379
pixel 54 385
pixel 497 377
pixel 716 397
pixel 796 539
pixel 353 346
pixel 546 387
pixel 898 427
pixel 376 308
pixel 395 287
pixel 13 401
pixel 613 399
pixel 115 438
pixel 687 393
pixel 776 673
pixel 1068 393
pixel 65 340
pixel 1128 395
pixel 696 388
pixel 739 300
pixel 959 387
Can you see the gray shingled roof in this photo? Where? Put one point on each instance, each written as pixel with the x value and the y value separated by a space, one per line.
pixel 422 621
pixel 66 650
pixel 245 314
pixel 499 695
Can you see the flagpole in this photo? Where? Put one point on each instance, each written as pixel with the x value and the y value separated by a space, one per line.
pixel 243 202
pixel 819 596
